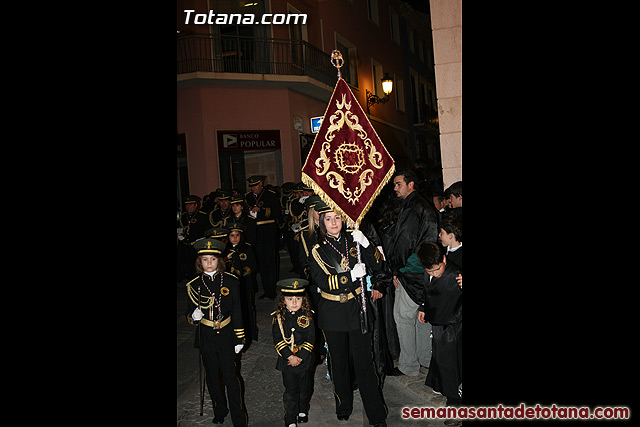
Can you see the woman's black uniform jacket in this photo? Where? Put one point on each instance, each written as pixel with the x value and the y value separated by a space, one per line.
pixel 324 267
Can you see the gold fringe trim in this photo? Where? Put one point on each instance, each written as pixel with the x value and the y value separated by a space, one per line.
pixel 336 208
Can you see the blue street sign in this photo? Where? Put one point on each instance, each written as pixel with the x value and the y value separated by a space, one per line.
pixel 315 124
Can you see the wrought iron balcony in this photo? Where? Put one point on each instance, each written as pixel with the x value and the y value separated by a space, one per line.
pixel 237 54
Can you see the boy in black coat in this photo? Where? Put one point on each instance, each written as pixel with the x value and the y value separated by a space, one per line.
pixel 442 307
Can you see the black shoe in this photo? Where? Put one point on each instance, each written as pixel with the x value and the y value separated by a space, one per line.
pixel 217 420
pixel 396 372
pixel 453 422
pixel 343 417
pixel 382 424
pixel 303 419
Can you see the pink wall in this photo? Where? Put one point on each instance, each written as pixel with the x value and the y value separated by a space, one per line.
pixel 220 107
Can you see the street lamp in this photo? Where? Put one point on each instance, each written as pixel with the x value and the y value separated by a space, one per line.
pixel 387 88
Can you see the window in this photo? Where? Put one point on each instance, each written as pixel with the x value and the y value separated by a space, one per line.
pixel 395 25
pixel 376 75
pixel 372 8
pixel 349 70
pixel 398 89
pixel 411 48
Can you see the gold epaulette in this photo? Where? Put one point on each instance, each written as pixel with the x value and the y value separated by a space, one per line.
pixel 323 265
pixel 192 280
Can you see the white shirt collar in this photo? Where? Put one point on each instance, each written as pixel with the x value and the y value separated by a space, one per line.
pixel 449 249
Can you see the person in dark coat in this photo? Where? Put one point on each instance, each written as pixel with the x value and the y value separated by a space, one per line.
pixel 264 206
pixel 214 306
pixel 451 238
pixel 240 215
pixel 442 307
pixel 241 261
pixel 193 223
pixel 335 269
pixel 293 337
pixel 417 223
pixel 219 217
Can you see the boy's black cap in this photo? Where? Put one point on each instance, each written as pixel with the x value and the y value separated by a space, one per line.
pixel 292 287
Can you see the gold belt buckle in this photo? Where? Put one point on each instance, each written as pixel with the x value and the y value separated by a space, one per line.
pixel 216 324
pixel 344 298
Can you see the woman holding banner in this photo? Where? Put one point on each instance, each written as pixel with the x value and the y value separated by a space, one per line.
pixel 334 268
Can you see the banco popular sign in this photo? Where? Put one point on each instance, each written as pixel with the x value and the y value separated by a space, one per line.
pixel 242 140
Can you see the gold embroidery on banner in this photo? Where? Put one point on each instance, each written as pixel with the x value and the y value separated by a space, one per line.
pixel 349 157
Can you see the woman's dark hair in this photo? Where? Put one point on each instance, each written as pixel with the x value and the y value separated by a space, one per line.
pixel 322 229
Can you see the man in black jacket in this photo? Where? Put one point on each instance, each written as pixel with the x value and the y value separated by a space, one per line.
pixel 417 223
pixel 264 206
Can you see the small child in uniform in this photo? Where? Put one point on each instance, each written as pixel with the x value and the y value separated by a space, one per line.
pixel 293 336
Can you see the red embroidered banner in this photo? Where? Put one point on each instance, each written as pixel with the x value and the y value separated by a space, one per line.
pixel 348 164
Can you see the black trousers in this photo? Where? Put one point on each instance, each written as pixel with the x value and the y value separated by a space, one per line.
pixel 297 393
pixel 268 255
pixel 445 368
pixel 218 359
pixel 340 344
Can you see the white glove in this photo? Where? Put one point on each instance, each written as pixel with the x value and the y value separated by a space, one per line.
pixel 303 199
pixel 358 270
pixel 359 237
pixel 180 237
pixel 238 348
pixel 197 314
pixel 295 228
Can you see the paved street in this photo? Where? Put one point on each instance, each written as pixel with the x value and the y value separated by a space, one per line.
pixel 263 383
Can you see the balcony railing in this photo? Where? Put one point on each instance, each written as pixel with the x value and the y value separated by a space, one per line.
pixel 237 54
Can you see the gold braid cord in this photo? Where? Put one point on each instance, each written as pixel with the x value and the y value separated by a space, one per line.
pixel 285 341
pixel 204 303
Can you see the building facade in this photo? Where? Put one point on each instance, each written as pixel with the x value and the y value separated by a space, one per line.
pixel 247 91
